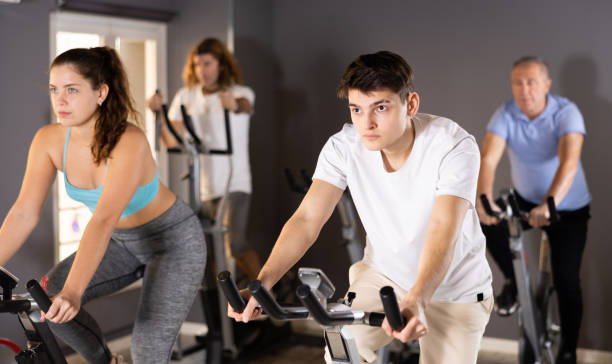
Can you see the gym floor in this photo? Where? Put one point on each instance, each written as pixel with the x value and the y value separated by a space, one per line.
pixel 307 348
pixel 302 354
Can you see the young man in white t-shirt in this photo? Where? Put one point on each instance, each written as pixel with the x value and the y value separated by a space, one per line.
pixel 413 180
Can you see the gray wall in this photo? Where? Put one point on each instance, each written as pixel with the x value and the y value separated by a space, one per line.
pixel 461 52
pixel 293 54
pixel 24 61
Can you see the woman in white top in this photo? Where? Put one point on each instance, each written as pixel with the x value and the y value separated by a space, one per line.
pixel 213 82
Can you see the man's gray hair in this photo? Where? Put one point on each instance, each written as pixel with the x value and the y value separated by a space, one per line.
pixel 532 59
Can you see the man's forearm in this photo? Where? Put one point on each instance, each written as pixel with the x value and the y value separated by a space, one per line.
pixel 486 178
pixel 293 242
pixel 437 254
pixel 564 177
pixel 434 262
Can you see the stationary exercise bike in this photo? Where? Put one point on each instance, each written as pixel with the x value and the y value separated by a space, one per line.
pixel 333 317
pixel 538 318
pixel 42 348
pixel 408 353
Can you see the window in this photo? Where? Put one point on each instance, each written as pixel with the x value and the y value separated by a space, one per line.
pixel 142 47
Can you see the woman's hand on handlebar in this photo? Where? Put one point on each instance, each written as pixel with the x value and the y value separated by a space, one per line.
pixel 416 323
pixel 228 101
pixel 155 102
pixel 64 308
pixel 539 216
pixel 484 217
pixel 251 311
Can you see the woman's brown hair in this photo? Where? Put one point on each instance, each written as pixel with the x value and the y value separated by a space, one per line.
pixel 102 65
pixel 229 72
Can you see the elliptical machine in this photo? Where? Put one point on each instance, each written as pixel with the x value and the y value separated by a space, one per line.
pixel 220 336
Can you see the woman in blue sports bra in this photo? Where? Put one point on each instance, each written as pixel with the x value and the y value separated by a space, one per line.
pixel 137 222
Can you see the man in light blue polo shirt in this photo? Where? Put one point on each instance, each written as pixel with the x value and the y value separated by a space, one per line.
pixel 544 134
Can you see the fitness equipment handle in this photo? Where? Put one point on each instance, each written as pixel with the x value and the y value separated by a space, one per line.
pixel 319 313
pixel 39 295
pixel 176 136
pixel 376 319
pixel 389 301
pixel 228 137
pixel 231 291
pixel 516 211
pixel 271 307
pixel 487 206
pixel 228 132
pixel 552 209
pixel 189 125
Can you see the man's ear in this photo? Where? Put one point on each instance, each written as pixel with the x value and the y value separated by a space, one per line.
pixel 414 101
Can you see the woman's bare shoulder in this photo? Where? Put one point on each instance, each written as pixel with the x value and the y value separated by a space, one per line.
pixel 50 134
pixel 133 140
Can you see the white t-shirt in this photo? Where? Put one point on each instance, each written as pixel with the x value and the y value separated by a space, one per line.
pixel 209 123
pixel 395 207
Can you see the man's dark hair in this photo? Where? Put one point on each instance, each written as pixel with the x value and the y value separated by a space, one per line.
pixel 532 59
pixel 377 71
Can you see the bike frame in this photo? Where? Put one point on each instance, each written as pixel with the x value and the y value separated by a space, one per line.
pixel 532 311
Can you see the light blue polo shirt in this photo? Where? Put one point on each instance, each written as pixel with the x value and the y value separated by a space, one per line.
pixel 533 147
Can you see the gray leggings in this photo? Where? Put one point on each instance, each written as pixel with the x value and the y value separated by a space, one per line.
pixel 172 251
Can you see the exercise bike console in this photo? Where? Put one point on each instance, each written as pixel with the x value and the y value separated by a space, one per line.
pixel 320 285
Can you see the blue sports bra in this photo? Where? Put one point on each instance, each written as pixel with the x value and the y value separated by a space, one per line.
pixel 142 197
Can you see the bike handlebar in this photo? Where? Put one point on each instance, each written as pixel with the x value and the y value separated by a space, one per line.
pixel 487 207
pixel 312 306
pixel 39 295
pixel 550 202
pixel 389 301
pixel 552 209
pixel 231 291
pixel 319 313
pixel 272 308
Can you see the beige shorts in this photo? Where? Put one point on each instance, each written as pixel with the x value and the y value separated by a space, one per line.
pixel 454 330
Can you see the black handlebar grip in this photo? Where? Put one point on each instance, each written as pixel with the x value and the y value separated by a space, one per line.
pixel 552 210
pixel 376 319
pixel 39 295
pixel 514 205
pixel 313 305
pixel 265 299
pixel 169 124
pixel 189 125
pixel 487 206
pixel 231 291
pixel 389 301
pixel 228 132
